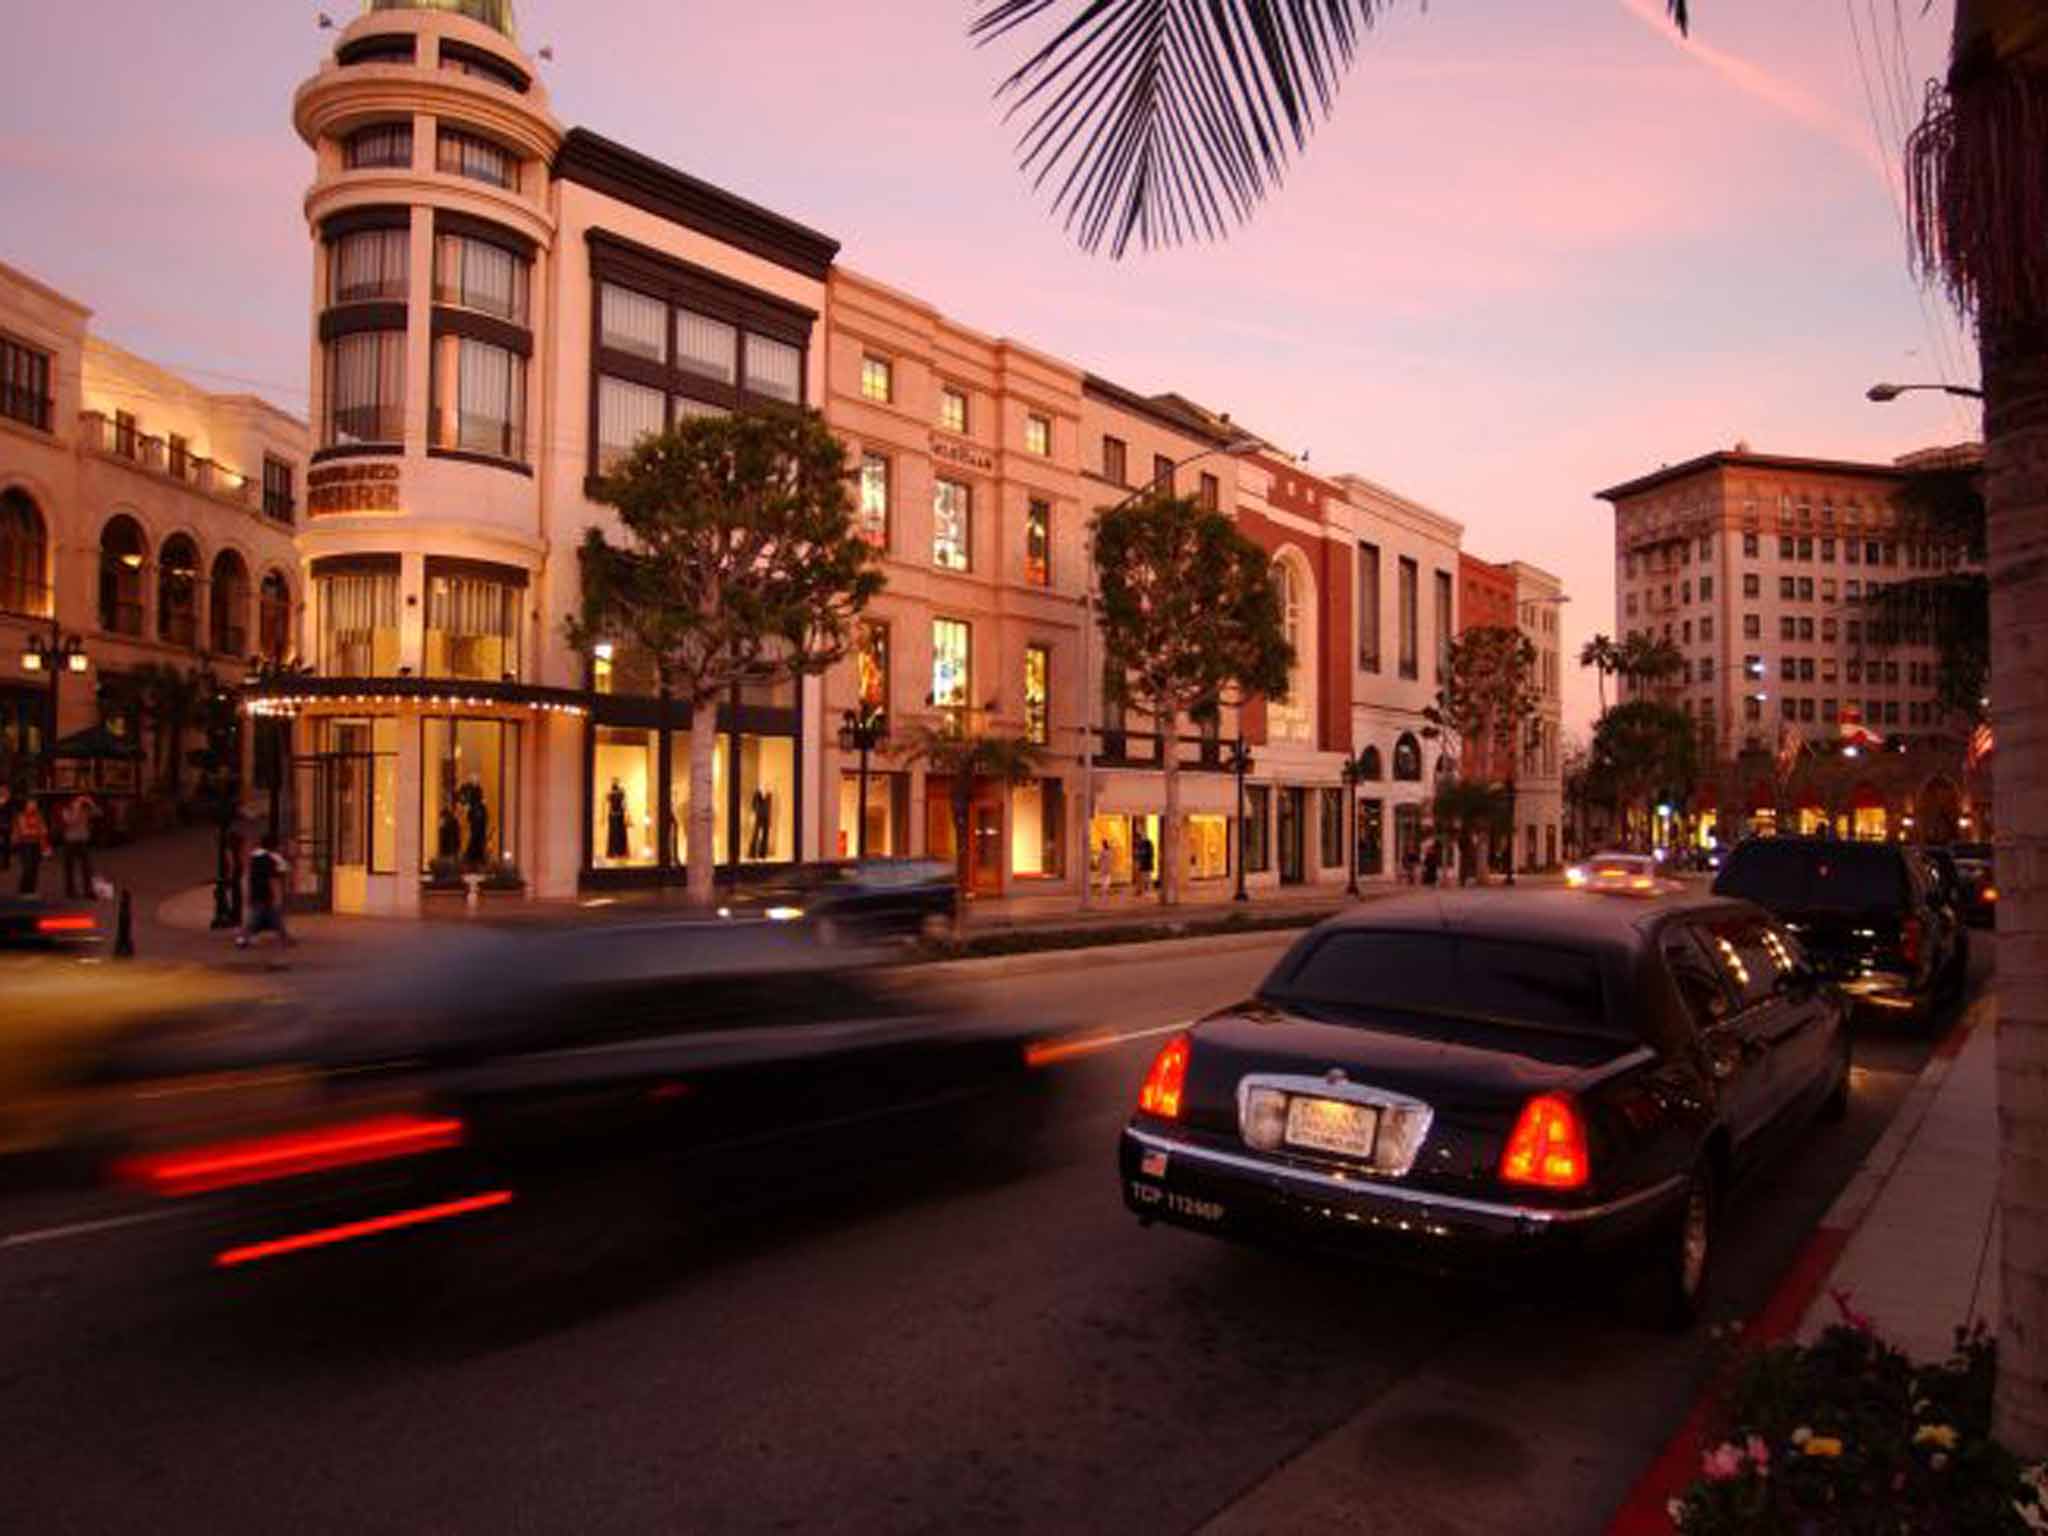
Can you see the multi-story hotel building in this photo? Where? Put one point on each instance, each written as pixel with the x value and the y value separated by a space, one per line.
pixel 143 520
pixel 502 305
pixel 1539 785
pixel 1758 568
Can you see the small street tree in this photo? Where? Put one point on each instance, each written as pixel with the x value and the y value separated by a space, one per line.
pixel 740 563
pixel 1487 694
pixel 1190 621
pixel 966 755
pixel 1642 750
pixel 1947 602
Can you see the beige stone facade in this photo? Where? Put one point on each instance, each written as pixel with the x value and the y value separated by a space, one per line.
pixel 143 517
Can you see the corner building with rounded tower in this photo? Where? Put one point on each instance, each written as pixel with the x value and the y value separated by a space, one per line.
pixel 501 307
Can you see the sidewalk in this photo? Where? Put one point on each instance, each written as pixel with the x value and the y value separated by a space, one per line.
pixel 1911 1243
pixel 1921 1256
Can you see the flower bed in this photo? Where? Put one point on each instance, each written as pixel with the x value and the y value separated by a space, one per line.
pixel 1848 1435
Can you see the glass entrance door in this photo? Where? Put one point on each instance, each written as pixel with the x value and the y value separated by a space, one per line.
pixel 1292 835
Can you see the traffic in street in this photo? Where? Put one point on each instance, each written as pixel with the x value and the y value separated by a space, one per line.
pixel 866 1332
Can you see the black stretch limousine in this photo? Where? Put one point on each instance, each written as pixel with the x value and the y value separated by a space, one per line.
pixel 1485 1077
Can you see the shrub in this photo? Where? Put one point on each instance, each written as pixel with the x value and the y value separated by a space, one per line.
pixel 1848 1437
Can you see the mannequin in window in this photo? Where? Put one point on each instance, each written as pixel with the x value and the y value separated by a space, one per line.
pixel 474 852
pixel 615 822
pixel 763 807
pixel 448 836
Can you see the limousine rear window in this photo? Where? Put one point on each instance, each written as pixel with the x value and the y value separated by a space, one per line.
pixel 1451 976
pixel 1812 877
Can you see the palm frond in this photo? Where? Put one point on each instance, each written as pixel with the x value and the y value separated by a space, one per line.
pixel 1161 121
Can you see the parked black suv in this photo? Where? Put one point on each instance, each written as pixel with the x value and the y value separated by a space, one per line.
pixel 1864 911
pixel 1980 885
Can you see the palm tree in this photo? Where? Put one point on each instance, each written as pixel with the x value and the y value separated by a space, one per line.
pixel 957 747
pixel 1643 658
pixel 1603 656
pixel 1977 164
pixel 1160 121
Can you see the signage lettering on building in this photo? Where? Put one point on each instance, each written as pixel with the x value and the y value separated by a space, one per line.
pixel 950 450
pixel 352 488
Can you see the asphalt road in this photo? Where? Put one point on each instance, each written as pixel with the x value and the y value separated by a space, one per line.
pixel 949 1346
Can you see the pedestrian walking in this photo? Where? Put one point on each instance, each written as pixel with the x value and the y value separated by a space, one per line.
pixel 74 822
pixel 1430 864
pixel 1105 868
pixel 31 842
pixel 268 870
pixel 7 812
pixel 1141 862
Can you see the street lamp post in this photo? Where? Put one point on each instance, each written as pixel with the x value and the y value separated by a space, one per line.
pixel 59 654
pixel 863 730
pixel 1353 773
pixel 1236 446
pixel 1240 764
pixel 1885 392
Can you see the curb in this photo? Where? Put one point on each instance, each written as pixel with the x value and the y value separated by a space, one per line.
pixel 1643 1512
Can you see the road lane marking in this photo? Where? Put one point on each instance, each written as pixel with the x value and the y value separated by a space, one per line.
pixel 84 1228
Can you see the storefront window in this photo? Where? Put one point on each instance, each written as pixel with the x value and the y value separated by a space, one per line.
pixel 951 660
pixel 364 780
pixel 472 623
pixel 768 799
pixel 469 794
pixel 1109 845
pixel 1331 826
pixel 1371 834
pixel 1038 821
pixel 1037 694
pixel 1258 850
pixel 1208 847
pixel 358 622
pixel 871 664
pixel 679 798
pixel 888 815
pixel 1407 834
pixel 625 776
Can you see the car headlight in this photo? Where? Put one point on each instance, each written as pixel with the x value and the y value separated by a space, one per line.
pixel 784 914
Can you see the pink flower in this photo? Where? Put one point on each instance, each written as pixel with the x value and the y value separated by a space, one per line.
pixel 1722 1464
pixel 1850 1315
pixel 1759 1453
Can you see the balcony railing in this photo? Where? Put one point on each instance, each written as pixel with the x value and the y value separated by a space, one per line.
pixel 116 440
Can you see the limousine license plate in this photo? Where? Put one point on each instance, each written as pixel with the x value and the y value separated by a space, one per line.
pixel 1332 1125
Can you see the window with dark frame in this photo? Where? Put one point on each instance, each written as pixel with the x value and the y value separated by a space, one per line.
pixel 364 265
pixel 1038 543
pixel 1369 607
pixel 874 499
pixel 1162 474
pixel 952 408
pixel 279 503
pixel 952 524
pixel 1210 493
pixel 1038 435
pixel 382 146
pixel 1115 461
pixel 457 153
pixel 877 379
pixel 1407 620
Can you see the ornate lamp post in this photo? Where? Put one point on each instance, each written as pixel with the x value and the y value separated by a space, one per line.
pixel 1240 765
pixel 863 730
pixel 1354 775
pixel 59 654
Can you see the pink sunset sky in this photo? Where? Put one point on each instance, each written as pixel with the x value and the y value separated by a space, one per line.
pixel 1540 248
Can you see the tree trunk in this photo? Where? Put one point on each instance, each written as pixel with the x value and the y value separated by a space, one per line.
pixel 701 882
pixel 1169 823
pixel 2016 485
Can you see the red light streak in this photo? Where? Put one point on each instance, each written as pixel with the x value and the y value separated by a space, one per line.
pixel 322 1237
pixel 229 1165
pixel 78 922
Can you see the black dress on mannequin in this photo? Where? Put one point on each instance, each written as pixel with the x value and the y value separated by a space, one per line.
pixel 615 822
pixel 757 838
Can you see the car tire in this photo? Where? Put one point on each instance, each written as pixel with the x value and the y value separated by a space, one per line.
pixel 1684 1252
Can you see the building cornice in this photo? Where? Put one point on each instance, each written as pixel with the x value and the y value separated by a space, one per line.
pixel 593 161
pixel 1185 423
pixel 1729 459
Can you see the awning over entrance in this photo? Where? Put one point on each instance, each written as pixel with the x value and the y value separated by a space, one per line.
pixel 291 695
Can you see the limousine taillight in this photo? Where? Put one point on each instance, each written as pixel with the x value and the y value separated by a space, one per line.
pixel 1547 1147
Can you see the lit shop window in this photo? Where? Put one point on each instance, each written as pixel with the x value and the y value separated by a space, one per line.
pixel 952 512
pixel 951 663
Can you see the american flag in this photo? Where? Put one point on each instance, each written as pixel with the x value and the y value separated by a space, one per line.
pixel 1981 745
pixel 1790 744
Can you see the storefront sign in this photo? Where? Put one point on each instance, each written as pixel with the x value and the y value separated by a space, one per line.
pixel 949 450
pixel 352 488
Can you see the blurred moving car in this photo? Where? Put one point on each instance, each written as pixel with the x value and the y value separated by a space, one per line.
pixel 1473 1080
pixel 1974 867
pixel 1867 912
pixel 1615 871
pixel 858 900
pixel 717 1053
pixel 35 922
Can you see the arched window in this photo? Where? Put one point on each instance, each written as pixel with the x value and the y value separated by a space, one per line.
pixel 274 616
pixel 227 616
pixel 1369 760
pixel 122 552
pixel 1293 718
pixel 1408 759
pixel 24 549
pixel 177 591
